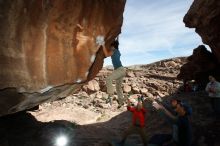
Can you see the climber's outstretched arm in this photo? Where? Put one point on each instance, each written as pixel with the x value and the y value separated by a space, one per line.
pixel 161 107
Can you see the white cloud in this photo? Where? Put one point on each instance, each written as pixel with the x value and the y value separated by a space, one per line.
pixel 155 26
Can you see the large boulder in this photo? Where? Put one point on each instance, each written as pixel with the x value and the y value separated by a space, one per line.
pixel 200 65
pixel 204 16
pixel 130 74
pixel 126 88
pixel 144 91
pixel 48 47
pixel 135 90
pixel 93 86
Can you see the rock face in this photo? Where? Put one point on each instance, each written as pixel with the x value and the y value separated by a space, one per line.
pixel 48 45
pixel 92 86
pixel 204 16
pixel 200 65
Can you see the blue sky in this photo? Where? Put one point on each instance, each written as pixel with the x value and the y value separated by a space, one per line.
pixel 153 30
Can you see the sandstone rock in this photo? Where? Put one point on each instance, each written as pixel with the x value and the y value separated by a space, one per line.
pixel 104 95
pixel 130 74
pixel 149 95
pixel 96 78
pixel 85 88
pixel 134 96
pixel 99 95
pixel 178 66
pixel 85 106
pixel 135 90
pixel 93 95
pixel 178 60
pixel 126 88
pixel 139 74
pixel 204 16
pixel 171 71
pixel 79 103
pixel 169 84
pixel 93 86
pixel 144 91
pixel 104 106
pixel 160 94
pixel 67 114
pixel 145 81
pixel 98 103
pixel 84 94
pixel 153 85
pixel 150 89
pixel 200 65
pixel 133 85
pixel 47 46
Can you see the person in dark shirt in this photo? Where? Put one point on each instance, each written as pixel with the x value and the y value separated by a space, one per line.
pixel 182 130
pixel 138 122
pixel 118 74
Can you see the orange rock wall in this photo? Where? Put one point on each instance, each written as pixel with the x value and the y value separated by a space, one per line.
pixel 48 47
pixel 53 42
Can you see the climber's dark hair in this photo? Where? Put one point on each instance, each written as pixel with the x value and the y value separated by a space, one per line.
pixel 115 44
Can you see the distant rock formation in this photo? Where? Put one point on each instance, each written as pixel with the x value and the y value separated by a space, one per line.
pixel 152 80
pixel 204 16
pixel 46 46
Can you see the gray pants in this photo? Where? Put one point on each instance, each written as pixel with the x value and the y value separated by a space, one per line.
pixel 117 75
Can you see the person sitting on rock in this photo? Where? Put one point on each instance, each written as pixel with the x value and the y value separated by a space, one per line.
pixel 182 131
pixel 213 88
pixel 118 74
pixel 138 121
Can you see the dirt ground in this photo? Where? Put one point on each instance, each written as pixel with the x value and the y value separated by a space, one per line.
pixel 87 128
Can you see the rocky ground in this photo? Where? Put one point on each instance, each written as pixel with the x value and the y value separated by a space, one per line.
pixel 88 120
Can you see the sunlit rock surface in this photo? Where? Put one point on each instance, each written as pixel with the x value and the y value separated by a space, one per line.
pixel 47 47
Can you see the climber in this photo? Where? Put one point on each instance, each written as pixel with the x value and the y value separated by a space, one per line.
pixel 138 121
pixel 182 132
pixel 213 88
pixel 118 73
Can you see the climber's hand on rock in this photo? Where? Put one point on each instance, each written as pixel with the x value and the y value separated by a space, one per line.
pixel 100 40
